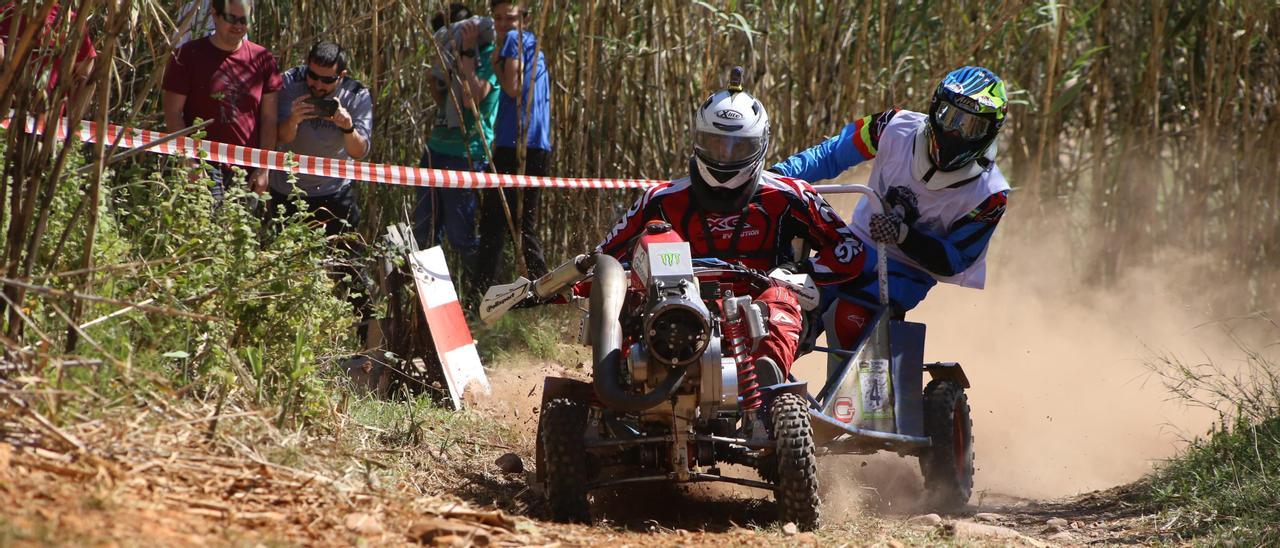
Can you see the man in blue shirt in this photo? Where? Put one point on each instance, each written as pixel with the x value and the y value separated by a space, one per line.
pixel 522 141
pixel 944 194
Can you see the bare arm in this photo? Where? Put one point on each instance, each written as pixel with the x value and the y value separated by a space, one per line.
pixel 172 104
pixel 509 71
pixel 357 146
pixel 468 64
pixel 266 139
pixel 300 110
pixel 467 73
pixel 267 121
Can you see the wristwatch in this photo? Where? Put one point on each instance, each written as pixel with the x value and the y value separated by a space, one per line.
pixel 348 130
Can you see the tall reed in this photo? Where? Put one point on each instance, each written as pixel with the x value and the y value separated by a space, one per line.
pixel 1153 124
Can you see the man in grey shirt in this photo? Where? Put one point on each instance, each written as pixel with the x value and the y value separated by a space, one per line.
pixel 324 113
pixel 310 124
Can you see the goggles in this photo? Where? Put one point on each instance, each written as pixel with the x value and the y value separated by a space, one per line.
pixel 953 120
pixel 727 150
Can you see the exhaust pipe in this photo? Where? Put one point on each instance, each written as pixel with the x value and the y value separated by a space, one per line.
pixel 608 291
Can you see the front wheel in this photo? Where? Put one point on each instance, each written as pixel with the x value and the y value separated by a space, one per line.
pixel 561 431
pixel 947 466
pixel 797 466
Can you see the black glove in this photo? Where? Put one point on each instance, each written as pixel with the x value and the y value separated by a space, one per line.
pixel 888 228
pixel 791 267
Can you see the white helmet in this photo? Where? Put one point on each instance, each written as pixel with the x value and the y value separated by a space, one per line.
pixel 730 137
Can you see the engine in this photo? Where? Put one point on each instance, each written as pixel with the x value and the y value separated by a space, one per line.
pixel 678 333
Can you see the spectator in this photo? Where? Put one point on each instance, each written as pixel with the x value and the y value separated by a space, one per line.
pixel 49 39
pixel 225 78
pixel 466 92
pixel 306 128
pixel 522 140
pixel 457 12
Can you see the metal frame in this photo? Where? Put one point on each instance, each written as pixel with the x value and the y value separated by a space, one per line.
pixel 850 440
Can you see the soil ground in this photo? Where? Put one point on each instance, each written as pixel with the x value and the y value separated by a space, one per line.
pixel 110 483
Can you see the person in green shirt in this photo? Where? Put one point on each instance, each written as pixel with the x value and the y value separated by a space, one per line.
pixel 467 97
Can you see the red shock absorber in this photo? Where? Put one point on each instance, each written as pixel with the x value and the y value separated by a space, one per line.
pixel 735 341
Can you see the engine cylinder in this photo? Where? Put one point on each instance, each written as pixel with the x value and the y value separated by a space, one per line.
pixel 677 332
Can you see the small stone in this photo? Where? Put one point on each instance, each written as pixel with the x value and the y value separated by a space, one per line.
pixel 925 520
pixel 988 517
pixel 510 463
pixel 1062 537
pixel 1057 522
pixel 971 530
pixel 363 524
pixel 790 529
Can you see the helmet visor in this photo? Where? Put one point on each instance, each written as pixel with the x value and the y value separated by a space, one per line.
pixel 954 120
pixel 727 150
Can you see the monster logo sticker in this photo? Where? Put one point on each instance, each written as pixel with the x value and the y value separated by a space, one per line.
pixel 668 259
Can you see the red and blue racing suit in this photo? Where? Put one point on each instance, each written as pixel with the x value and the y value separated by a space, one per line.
pixel 758 237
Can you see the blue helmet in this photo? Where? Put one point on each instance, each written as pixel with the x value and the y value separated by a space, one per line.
pixel 967 111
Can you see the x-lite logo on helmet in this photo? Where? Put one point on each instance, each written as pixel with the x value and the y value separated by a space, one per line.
pixel 729 114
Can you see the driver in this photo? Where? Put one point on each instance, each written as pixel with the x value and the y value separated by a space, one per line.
pixel 729 208
pixel 938 176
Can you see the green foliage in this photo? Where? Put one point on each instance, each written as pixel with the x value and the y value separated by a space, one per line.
pixel 1225 487
pixel 417 421
pixel 539 332
pixel 274 320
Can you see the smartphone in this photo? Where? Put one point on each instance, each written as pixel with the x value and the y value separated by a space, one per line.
pixel 324 107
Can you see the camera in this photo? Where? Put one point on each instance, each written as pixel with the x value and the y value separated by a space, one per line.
pixel 324 107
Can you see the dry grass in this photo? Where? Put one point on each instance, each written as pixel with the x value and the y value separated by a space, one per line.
pixel 186 473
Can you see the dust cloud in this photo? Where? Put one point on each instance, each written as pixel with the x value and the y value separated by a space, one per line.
pixel 1062 399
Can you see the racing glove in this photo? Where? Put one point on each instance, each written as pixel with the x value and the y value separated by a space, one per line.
pixel 789 267
pixel 888 228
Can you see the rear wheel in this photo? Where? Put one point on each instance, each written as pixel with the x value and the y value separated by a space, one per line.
pixel 947 466
pixel 561 430
pixel 797 467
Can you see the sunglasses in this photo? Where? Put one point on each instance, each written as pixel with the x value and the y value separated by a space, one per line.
pixel 322 79
pixel 234 19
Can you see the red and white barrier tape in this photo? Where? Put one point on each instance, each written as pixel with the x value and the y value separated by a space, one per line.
pixel 329 167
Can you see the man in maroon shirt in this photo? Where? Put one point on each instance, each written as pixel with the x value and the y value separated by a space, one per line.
pixel 228 79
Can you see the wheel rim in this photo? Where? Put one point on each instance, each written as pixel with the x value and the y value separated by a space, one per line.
pixel 959 442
